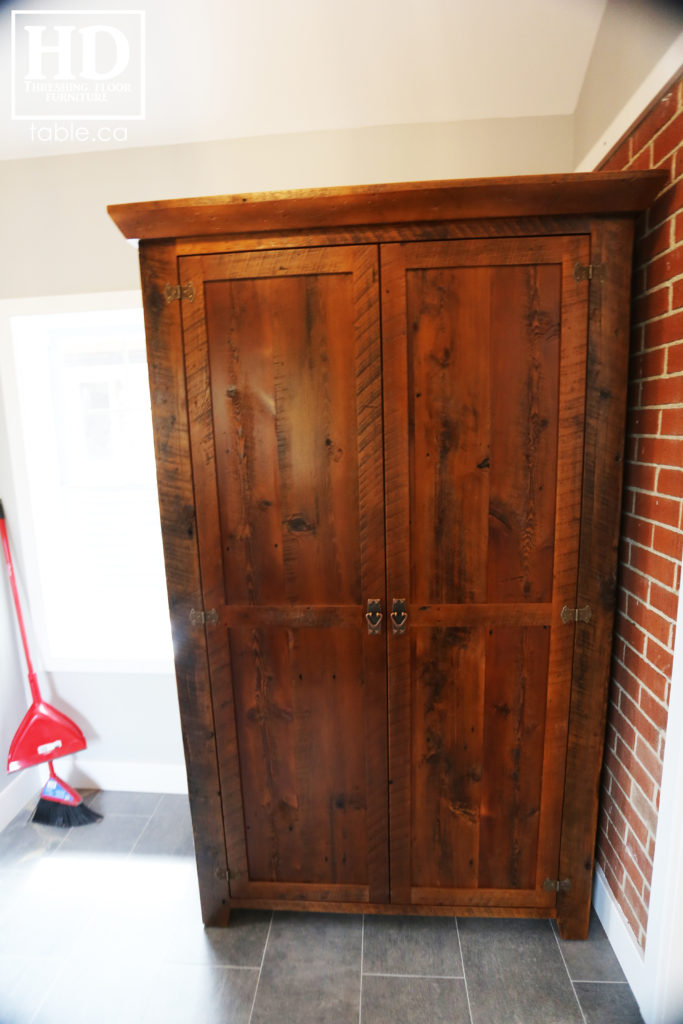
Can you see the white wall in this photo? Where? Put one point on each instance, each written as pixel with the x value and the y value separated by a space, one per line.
pixel 62 241
pixel 14 694
pixel 635 39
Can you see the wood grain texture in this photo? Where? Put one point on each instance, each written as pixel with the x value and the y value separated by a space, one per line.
pixel 604 192
pixel 489 510
pixel 572 384
pixel 439 230
pixel 608 345
pixel 411 909
pixel 178 528
pixel 478 434
pixel 284 395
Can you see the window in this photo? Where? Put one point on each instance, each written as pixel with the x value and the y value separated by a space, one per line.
pixel 81 438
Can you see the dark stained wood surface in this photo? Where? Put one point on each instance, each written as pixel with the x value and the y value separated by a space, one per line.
pixel 607 365
pixel 479 698
pixel 413 909
pixel 531 195
pixel 178 527
pixel 284 391
pixel 480 443
pixel 438 230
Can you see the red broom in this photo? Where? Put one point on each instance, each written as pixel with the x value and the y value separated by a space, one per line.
pixel 44 733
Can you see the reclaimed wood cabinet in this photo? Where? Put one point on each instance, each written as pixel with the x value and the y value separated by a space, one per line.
pixel 389 427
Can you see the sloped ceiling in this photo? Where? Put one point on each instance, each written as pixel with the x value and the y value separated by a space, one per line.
pixel 218 69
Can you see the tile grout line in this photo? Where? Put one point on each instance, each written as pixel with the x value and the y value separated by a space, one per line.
pixel 142 832
pixel 146 825
pixel 395 974
pixel 571 980
pixel 597 981
pixel 263 957
pixel 464 972
pixel 362 954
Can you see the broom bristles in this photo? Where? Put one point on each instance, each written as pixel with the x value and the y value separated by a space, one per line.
pixel 61 805
pixel 52 812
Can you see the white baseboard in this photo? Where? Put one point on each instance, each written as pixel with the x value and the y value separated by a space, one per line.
pixel 22 787
pixel 139 777
pixel 621 938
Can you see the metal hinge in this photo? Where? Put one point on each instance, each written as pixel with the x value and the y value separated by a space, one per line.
pixel 179 291
pixel 584 614
pixel 201 618
pixel 590 272
pixel 557 885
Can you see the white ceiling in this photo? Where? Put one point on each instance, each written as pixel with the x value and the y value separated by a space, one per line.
pixel 229 69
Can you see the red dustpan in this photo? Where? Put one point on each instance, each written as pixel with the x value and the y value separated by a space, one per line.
pixel 44 733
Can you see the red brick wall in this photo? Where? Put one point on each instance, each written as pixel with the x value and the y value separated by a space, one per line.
pixel 651 527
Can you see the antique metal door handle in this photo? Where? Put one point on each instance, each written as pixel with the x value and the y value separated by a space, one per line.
pixel 373 616
pixel 399 615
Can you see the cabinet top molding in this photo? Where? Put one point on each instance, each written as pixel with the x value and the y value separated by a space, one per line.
pixel 604 192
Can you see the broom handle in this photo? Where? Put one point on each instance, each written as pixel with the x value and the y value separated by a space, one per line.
pixel 32 678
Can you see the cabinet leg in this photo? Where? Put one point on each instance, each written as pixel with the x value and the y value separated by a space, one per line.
pixel 218 918
pixel 574 925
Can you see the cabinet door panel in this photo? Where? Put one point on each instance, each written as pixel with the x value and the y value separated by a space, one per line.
pixel 303 777
pixel 285 420
pixel 484 349
pixel 283 373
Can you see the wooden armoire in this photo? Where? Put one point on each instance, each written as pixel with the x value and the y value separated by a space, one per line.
pixel 389 428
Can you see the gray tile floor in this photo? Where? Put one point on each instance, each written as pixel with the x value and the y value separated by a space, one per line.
pixel 101 924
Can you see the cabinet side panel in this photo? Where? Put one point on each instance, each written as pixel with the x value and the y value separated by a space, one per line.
pixel 607 366
pixel 176 500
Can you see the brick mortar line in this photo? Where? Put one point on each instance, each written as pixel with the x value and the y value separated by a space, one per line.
pixel 658 437
pixel 648 635
pixel 643 713
pixel 646 263
pixel 649 608
pixel 637 544
pixel 669 280
pixel 653 494
pixel 643 630
pixel 657 318
pixel 626 564
pixel 652 138
pixel 635 928
pixel 659 376
pixel 632 777
pixel 620 886
pixel 642 876
pixel 665 707
pixel 625 844
pixel 607 796
pixel 649 579
pixel 647 662
pixel 671 247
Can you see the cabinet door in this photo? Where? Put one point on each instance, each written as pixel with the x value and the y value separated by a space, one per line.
pixel 282 355
pixel 484 373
